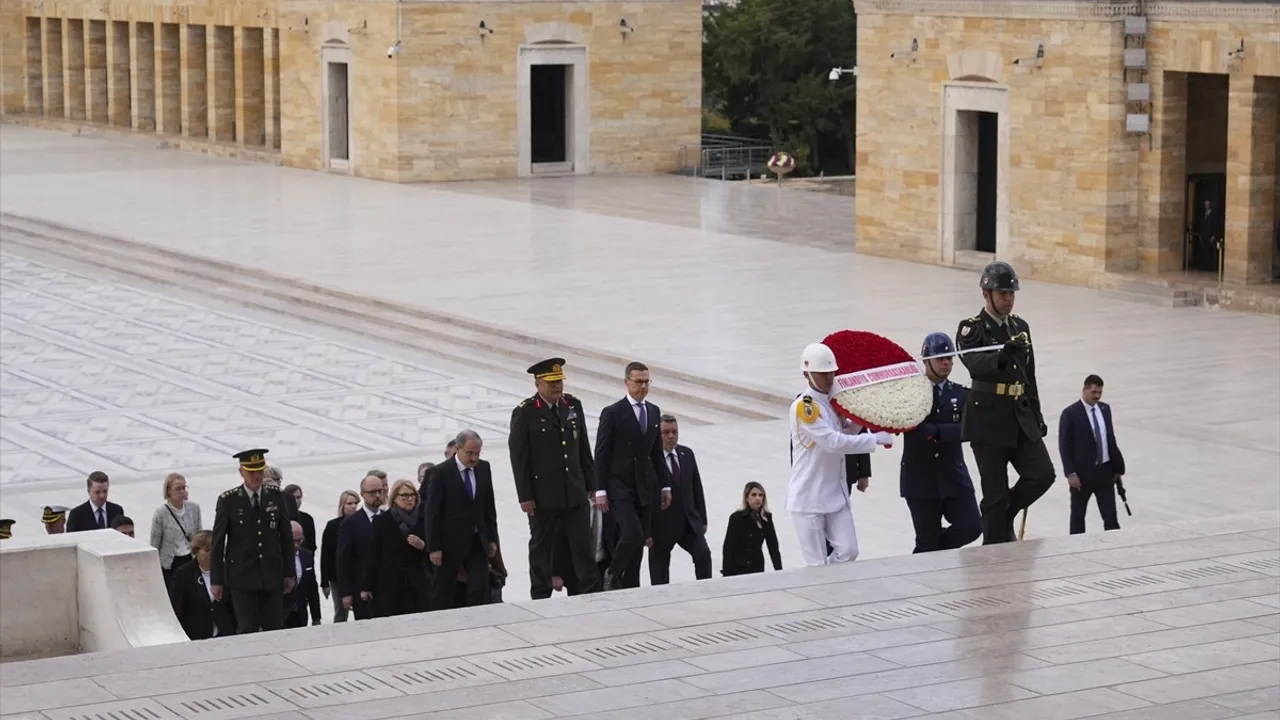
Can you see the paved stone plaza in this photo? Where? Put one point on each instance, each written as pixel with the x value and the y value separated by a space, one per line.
pixel 1155 623
pixel 722 281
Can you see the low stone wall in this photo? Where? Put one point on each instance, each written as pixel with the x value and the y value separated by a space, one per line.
pixel 83 592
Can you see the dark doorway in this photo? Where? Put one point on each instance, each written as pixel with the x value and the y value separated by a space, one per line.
pixel 988 172
pixel 339 113
pixel 1206 148
pixel 548 113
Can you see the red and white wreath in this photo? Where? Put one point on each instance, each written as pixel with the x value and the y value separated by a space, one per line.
pixel 878 384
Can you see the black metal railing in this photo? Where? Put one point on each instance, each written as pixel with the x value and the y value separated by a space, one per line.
pixel 728 157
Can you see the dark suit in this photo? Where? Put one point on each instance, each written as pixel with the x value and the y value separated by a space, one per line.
pixel 308 524
pixel 1080 457
pixel 305 595
pixel 395 571
pixel 81 518
pixel 683 523
pixel 743 540
pixel 329 567
pixel 461 527
pixel 253 555
pixel 1002 422
pixel 355 536
pixel 195 610
pixel 628 464
pixel 553 466
pixel 935 480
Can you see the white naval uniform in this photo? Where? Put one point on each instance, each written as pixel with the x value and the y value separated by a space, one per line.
pixel 818 495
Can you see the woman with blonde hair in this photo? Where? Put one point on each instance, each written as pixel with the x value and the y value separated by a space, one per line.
pixel 173 524
pixel 749 528
pixel 201 616
pixel 348 502
pixel 395 575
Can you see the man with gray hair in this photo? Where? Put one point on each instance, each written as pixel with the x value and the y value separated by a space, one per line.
pixel 462 524
pixel 272 477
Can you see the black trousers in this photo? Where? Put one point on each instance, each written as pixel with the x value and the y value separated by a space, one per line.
pixel 1101 484
pixel 692 543
pixel 571 586
pixel 961 513
pixel 1000 503
pixel 444 594
pixel 631 520
pixel 575 523
pixel 258 610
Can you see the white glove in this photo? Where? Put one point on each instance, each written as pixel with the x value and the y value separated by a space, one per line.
pixel 885 439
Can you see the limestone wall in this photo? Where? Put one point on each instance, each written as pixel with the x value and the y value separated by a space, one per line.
pixel 1080 194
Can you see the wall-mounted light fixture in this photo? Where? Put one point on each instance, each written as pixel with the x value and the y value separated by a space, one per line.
pixel 305 27
pixel 484 30
pixel 1035 61
pixel 624 28
pixel 1236 57
pixel 906 54
pixel 836 72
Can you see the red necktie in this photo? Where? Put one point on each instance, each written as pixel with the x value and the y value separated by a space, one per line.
pixel 675 470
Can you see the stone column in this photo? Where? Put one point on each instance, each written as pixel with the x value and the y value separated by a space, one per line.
pixel 195 92
pixel 250 87
pixel 73 67
pixel 168 65
pixel 95 76
pixel 271 85
pixel 1252 106
pixel 35 66
pixel 119 95
pixel 222 84
pixel 1166 250
pixel 51 67
pixel 142 78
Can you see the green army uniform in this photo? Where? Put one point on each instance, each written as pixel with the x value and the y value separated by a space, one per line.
pixel 553 466
pixel 253 550
pixel 6 529
pixel 1002 421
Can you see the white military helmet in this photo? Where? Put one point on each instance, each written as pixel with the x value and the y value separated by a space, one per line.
pixel 817 358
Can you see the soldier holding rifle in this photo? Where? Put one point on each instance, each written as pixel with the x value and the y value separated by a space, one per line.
pixel 1002 420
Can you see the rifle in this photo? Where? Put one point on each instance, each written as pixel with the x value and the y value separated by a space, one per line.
pixel 1124 497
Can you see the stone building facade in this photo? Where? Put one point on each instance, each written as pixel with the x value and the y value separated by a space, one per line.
pixel 404 91
pixel 1016 129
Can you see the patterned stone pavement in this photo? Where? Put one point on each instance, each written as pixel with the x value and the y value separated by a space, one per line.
pixel 101 376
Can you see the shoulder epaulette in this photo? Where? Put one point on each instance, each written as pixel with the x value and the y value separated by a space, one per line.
pixel 524 402
pixel 570 398
pixel 230 492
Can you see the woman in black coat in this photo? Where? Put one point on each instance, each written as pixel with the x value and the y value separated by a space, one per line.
pixel 348 502
pixel 749 528
pixel 395 580
pixel 200 616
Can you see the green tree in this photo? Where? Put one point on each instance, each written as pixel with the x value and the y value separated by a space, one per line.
pixel 764 69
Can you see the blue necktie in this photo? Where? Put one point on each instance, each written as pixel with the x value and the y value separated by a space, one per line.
pixel 466 479
pixel 1097 434
pixel 102 519
pixel 642 417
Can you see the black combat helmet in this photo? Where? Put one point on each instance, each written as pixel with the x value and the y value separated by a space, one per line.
pixel 999 275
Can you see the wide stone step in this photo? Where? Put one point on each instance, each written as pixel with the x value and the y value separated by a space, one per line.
pixel 594 373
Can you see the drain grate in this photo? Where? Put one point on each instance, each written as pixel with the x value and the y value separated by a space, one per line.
pixel 718 637
pixel 896 616
pixel 1203 572
pixel 532 663
pixel 981 602
pixel 1127 582
pixel 811 625
pixel 225 703
pixel 432 676
pixel 330 690
pixel 622 651
pixel 1263 565
pixel 141 709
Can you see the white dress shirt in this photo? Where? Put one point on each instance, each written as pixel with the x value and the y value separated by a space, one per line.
pixel 1090 412
pixel 371 512
pixel 818 448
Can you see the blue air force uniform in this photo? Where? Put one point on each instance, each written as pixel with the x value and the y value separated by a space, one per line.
pixel 935 480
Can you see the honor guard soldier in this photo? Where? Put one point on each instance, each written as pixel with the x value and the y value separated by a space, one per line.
pixel 54 519
pixel 1002 421
pixel 555 478
pixel 6 529
pixel 935 481
pixel 252 548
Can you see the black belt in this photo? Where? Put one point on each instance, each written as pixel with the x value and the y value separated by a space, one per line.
pixel 1009 389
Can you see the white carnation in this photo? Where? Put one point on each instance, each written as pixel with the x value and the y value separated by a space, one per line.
pixel 897 405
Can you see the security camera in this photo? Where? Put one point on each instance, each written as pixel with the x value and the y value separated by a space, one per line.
pixel 394 50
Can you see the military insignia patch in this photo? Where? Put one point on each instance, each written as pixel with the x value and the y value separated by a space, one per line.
pixel 964 331
pixel 806 411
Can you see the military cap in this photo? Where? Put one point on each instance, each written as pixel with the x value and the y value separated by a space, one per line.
pixel 252 460
pixel 6 529
pixel 53 513
pixel 550 370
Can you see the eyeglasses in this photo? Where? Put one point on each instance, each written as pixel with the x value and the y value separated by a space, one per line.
pixel 407 495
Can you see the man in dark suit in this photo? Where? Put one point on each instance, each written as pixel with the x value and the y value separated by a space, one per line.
pixel 461 523
pixel 684 521
pixel 629 463
pixel 97 512
pixel 252 544
pixel 1092 465
pixel 355 535
pixel 306 593
pixel 934 479
pixel 1002 420
pixel 555 477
